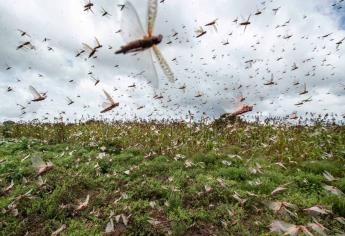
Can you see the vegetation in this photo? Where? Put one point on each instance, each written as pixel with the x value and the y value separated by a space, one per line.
pixel 169 178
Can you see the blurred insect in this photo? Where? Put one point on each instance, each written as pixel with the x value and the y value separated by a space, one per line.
pixel 333 190
pixel 69 101
pixel 288 229
pixel 26 44
pixel 305 91
pixel 317 210
pixel 41 166
pixel 282 207
pixel 318 227
pixel 83 205
pixel 200 32
pixel 121 6
pixel 8 67
pixel 110 104
pixel 293 116
pixel 329 177
pixel 225 42
pixel 242 110
pixel 110 229
pixel 214 24
pixel 105 13
pixel 133 33
pixel 79 53
pixel 246 23
pixel 88 6
pixel 275 10
pixel 279 189
pixel 270 82
pixel 37 96
pixel 307 100
pixel 340 42
pixel 21 107
pixel 92 50
pixel 23 33
pixel 95 80
pixel 258 12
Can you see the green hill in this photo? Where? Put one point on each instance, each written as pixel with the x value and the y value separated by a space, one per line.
pixel 177 179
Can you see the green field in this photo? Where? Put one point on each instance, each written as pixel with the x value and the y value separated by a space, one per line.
pixel 170 179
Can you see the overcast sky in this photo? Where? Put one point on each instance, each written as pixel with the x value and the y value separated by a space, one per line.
pixel 207 66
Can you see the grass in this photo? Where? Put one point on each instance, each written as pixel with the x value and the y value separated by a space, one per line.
pixel 172 178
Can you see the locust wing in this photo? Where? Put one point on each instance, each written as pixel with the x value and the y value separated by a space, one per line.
pixel 131 27
pixel 145 63
pixel 97 42
pixel 109 101
pixel 280 226
pixel 34 92
pixel 37 162
pixel 164 64
pixel 215 28
pixel 131 30
pixel 150 69
pixel 199 30
pixel 106 105
pixel 110 227
pixel 87 47
pixel 151 16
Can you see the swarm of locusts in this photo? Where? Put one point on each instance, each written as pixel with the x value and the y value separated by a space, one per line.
pixel 175 178
pixel 188 176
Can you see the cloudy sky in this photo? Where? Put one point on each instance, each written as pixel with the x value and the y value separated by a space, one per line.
pixel 215 69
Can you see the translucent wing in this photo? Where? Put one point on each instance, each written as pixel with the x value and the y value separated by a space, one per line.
pixel 106 104
pixel 199 30
pixel 317 227
pixel 97 42
pixel 146 66
pixel 34 92
pixel 151 15
pixel 37 162
pixel 109 98
pixel 87 47
pixel 110 227
pixel 215 28
pixel 280 226
pixel 165 66
pixel 131 27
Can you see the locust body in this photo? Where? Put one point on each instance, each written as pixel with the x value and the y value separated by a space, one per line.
pixel 140 44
